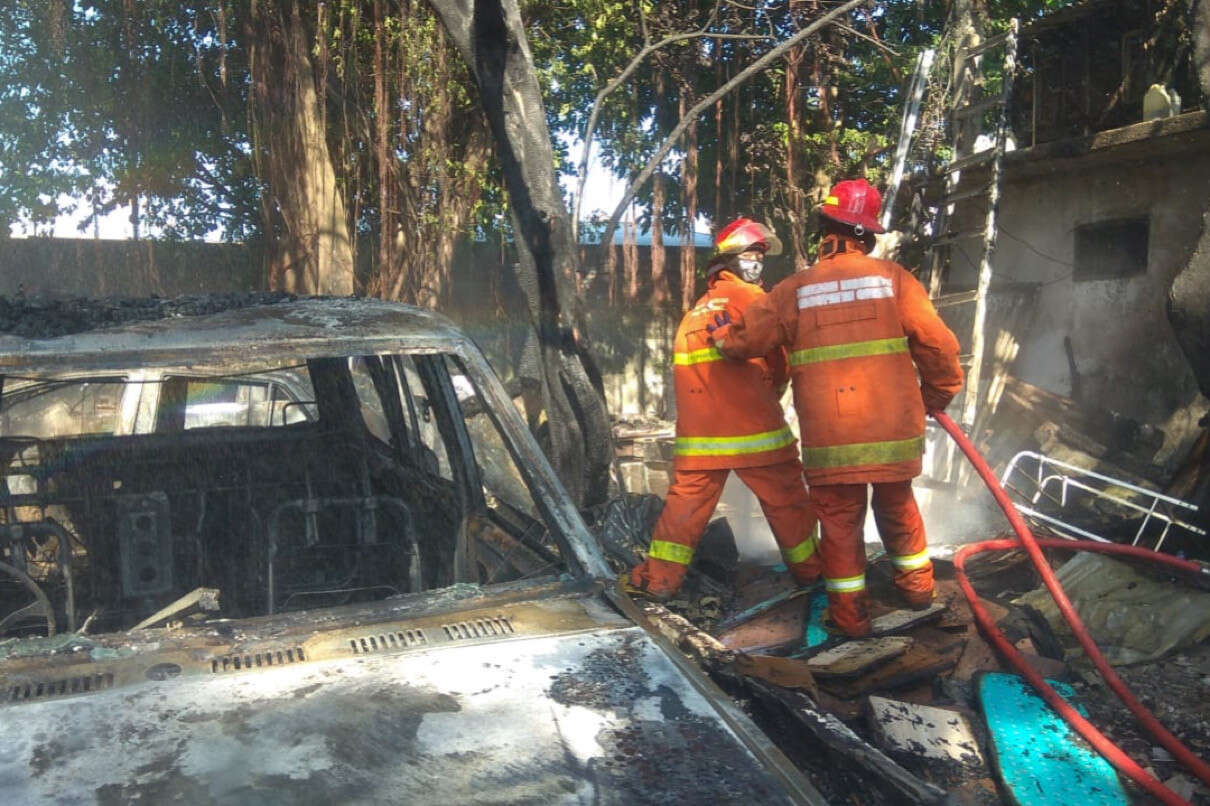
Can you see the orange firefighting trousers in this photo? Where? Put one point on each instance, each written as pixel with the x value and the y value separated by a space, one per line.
pixel 690 503
pixel 841 511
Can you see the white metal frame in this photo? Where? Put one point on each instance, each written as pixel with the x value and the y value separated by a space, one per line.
pixel 1052 472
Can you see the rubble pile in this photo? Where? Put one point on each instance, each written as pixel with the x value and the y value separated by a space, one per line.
pixel 910 695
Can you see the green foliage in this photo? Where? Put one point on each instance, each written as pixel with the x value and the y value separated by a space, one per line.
pixel 111 103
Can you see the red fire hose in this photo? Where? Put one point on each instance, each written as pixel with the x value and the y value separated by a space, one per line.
pixel 1031 545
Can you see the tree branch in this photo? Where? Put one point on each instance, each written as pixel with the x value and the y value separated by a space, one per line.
pixel 885 49
pixel 638 6
pixel 618 80
pixel 704 104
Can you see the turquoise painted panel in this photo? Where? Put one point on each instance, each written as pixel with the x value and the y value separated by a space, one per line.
pixel 1042 760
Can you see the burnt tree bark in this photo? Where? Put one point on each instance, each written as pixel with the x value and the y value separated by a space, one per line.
pixel 688 253
pixel 1189 295
pixel 795 207
pixel 659 280
pixel 556 365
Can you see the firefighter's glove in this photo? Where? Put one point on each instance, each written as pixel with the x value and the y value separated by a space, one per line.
pixel 720 329
pixel 934 400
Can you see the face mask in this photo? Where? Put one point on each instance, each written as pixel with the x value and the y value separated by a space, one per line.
pixel 750 269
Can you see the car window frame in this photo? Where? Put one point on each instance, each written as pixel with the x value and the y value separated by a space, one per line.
pixel 580 552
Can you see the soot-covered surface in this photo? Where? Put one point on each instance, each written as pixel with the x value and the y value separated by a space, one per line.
pixel 46 318
pixel 592 718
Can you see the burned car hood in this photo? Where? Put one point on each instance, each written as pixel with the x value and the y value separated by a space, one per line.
pixel 595 716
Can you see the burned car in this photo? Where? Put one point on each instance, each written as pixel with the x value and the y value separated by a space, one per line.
pixel 308 552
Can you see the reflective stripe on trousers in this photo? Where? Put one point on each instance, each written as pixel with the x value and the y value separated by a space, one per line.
pixel 672 552
pixel 845 584
pixel 736 445
pixel 800 553
pixel 910 562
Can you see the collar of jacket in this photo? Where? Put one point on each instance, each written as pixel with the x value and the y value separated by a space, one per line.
pixel 833 245
pixel 726 275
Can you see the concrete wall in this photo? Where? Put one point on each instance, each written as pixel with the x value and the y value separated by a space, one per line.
pixel 66 267
pixel 1125 354
pixel 632 337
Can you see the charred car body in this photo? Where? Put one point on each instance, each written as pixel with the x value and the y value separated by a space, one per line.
pixel 309 552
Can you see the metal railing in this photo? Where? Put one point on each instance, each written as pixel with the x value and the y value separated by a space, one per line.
pixel 1059 484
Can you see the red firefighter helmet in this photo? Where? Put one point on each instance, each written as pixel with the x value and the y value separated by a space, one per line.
pixel 743 234
pixel 854 202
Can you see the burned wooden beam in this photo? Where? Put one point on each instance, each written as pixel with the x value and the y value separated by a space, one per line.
pixel 197 600
pixel 847 748
pixel 841 743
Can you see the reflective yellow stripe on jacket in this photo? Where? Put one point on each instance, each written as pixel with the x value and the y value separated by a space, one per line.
pixel 863 453
pixel 733 446
pixel 702 356
pixel 857 349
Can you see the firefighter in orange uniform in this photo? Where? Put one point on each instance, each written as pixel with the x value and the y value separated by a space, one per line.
pixel 858 330
pixel 728 418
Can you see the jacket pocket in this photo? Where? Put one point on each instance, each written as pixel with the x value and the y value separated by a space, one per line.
pixel 839 314
pixel 848 400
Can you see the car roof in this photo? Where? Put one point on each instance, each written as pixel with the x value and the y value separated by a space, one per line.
pixel 306 328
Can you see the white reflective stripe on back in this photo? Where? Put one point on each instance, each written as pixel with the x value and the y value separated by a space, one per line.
pixel 869 281
pixel 875 293
pixel 818 300
pixel 818 288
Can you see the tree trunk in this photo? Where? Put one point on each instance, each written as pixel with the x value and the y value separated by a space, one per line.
pixel 794 196
pixel 308 231
pixel 719 218
pixel 630 259
pixel 382 149
pixel 1189 295
pixel 965 73
pixel 556 364
pixel 659 277
pixel 689 199
pixel 733 160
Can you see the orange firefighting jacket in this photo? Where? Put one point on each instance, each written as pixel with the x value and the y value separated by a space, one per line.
pixel 727 412
pixel 858 329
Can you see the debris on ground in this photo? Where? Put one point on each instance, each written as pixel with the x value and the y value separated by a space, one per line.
pixel 935 659
pixel 1133 616
pixel 918 664
pixel 788 673
pixel 820 692
pixel 925 732
pixel 1039 757
pixel 1176 689
pixel 838 746
pixel 854 657
pixel 624 524
pixel 776 628
pixel 900 620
